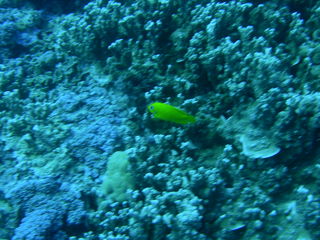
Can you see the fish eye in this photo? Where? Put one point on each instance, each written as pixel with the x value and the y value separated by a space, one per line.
pixel 151 107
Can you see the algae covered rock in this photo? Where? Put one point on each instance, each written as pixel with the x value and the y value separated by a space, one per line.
pixel 117 179
pixel 258 146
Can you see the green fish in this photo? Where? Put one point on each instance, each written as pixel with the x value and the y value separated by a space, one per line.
pixel 169 113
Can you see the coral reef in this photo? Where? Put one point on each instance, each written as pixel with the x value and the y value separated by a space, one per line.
pixel 83 159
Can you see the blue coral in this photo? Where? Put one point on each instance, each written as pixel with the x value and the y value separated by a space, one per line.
pixel 45 207
pixel 39 225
